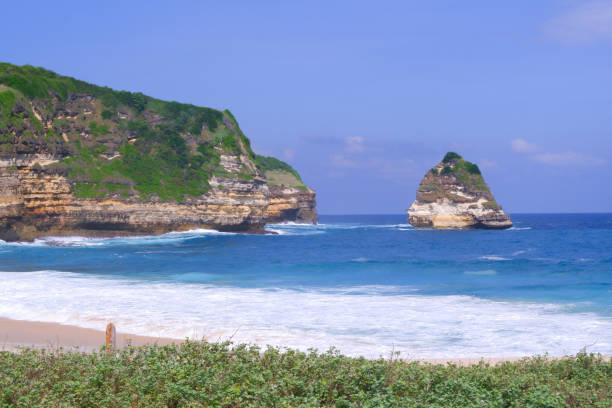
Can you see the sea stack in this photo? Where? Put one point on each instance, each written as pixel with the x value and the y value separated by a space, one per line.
pixel 453 194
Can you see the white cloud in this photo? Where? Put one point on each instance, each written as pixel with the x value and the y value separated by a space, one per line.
pixel 588 22
pixel 567 158
pixel 537 154
pixel 340 161
pixel 354 144
pixel 523 146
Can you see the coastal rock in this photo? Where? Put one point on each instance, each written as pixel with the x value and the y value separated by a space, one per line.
pixel 77 159
pixel 453 194
pixel 291 204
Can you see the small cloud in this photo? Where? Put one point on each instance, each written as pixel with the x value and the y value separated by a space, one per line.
pixel 340 161
pixel 354 144
pixel 567 158
pixel 289 154
pixel 523 146
pixel 553 158
pixel 487 164
pixel 585 23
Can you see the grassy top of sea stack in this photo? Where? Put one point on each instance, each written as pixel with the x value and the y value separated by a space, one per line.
pixel 455 171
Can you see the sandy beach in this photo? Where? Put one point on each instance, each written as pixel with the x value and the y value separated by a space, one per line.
pixel 20 333
pixel 15 334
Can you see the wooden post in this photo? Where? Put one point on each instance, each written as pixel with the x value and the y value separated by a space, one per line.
pixel 111 341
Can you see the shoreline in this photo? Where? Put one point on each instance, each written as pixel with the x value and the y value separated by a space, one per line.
pixel 17 334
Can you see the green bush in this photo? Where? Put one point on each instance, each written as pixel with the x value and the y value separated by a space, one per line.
pixel 97 130
pixel 471 167
pixel 226 375
pixel 7 98
pixel 271 163
pixel 491 205
pixel 229 142
pixel 450 157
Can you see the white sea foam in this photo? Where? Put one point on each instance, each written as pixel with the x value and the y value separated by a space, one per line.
pixel 292 228
pixel 518 228
pixel 78 241
pixel 369 321
pixel 493 258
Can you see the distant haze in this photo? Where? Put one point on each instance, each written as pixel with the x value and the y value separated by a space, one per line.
pixel 362 98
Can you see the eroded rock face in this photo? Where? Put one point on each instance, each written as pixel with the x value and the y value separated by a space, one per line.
pixel 35 204
pixel 453 194
pixel 291 204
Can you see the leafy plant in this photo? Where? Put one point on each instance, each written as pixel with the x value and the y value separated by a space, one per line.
pixel 231 375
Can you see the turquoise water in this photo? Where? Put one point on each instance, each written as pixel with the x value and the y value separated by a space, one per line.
pixel 364 284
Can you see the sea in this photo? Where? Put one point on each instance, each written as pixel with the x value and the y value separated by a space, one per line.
pixel 367 285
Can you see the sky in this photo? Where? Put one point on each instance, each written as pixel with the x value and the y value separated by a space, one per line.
pixel 362 98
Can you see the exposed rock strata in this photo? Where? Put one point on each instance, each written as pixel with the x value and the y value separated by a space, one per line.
pixel 34 204
pixel 291 204
pixel 453 194
pixel 57 173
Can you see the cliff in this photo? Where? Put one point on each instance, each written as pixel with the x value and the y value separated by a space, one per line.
pixel 453 194
pixel 77 158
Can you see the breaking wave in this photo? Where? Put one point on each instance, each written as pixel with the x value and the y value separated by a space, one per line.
pixel 368 321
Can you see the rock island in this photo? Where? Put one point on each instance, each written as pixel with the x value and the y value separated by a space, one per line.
pixel 453 194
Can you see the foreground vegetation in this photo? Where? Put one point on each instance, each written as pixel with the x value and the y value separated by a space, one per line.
pixel 225 375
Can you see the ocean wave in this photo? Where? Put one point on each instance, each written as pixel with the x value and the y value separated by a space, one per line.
pixel 292 228
pixel 79 241
pixel 368 321
pixel 487 272
pixel 518 228
pixel 493 258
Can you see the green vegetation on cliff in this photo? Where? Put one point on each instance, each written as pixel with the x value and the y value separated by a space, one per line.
pixel 119 143
pixel 224 375
pixel 465 172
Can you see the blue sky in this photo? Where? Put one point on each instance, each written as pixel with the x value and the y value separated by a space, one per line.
pixel 363 97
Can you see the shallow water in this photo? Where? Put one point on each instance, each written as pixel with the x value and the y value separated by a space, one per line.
pixel 367 285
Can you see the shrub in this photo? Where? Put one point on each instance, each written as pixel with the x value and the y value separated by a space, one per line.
pixel 7 98
pixel 97 130
pixel 450 157
pixel 271 163
pixel 471 168
pixel 228 375
pixel 491 205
